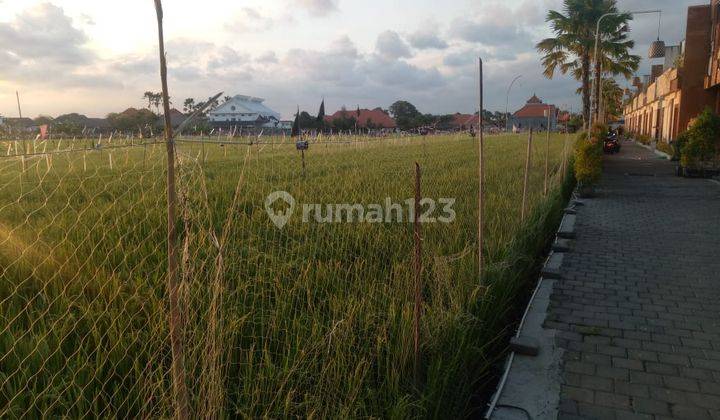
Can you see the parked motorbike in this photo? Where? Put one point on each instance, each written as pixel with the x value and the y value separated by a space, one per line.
pixel 611 145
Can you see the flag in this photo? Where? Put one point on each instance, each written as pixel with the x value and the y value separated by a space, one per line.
pixel 321 113
pixel 296 125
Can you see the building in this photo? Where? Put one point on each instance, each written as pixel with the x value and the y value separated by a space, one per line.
pixel 712 80
pixel 463 122
pixel 534 115
pixel 366 118
pixel 242 111
pixel 665 102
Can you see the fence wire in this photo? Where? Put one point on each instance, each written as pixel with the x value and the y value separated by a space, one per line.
pixel 309 319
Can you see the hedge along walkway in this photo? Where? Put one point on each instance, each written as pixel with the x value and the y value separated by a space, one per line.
pixel 639 303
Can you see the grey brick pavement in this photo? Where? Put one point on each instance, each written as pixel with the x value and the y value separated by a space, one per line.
pixel 639 303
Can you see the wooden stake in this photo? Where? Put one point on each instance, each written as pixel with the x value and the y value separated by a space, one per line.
pixel 417 271
pixel 547 156
pixel 527 176
pixel 173 279
pixel 481 145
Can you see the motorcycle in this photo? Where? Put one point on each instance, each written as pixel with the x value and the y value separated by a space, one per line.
pixel 611 145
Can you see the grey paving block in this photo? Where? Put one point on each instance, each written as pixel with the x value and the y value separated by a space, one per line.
pixel 551 269
pixel 567 227
pixel 641 290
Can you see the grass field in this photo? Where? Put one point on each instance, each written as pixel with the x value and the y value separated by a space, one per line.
pixel 312 320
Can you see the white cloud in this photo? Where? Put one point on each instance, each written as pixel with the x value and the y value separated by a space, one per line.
pixel 317 7
pixel 427 38
pixel 389 45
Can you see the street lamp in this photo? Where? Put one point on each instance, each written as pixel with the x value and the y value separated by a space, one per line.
pixel 507 100
pixel 655 52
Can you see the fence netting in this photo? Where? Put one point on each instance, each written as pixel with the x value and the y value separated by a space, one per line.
pixel 307 313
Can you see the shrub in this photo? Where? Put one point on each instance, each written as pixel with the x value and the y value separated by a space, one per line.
pixel 644 139
pixel 666 148
pixel 701 143
pixel 599 132
pixel 588 159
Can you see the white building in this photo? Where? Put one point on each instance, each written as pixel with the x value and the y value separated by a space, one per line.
pixel 243 110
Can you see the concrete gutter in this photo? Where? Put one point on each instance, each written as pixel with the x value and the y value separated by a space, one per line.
pixel 530 385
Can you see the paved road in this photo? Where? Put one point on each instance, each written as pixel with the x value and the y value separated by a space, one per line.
pixel 639 303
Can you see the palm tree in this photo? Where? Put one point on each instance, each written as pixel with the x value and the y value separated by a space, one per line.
pixel 612 94
pixel 571 50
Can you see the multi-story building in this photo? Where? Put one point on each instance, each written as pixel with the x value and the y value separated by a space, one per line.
pixel 666 102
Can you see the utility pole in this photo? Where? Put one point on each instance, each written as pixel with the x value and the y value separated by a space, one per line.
pixel 17 95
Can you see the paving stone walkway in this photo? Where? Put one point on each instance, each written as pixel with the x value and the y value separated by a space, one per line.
pixel 638 307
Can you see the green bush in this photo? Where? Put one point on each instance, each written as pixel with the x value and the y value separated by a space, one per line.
pixel 666 148
pixel 588 159
pixel 644 139
pixel 701 140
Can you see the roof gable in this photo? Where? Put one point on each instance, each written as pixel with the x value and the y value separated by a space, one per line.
pixel 245 105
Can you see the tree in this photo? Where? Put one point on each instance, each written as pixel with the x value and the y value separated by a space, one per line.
pixel 70 124
pixel 572 48
pixel 612 93
pixel 43 120
pixel 406 115
pixel 131 119
pixel 189 105
pixel 150 97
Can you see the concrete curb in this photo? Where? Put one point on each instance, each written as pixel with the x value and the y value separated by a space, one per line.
pixel 654 150
pixel 530 386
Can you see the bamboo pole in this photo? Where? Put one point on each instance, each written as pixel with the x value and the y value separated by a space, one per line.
pixel 547 155
pixel 173 284
pixel 417 269
pixel 527 176
pixel 481 175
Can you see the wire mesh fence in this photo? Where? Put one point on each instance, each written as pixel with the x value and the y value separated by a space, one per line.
pixel 306 313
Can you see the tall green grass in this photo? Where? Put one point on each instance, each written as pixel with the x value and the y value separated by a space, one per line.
pixel 313 320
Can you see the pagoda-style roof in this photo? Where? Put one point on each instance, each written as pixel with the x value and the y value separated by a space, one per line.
pixel 534 100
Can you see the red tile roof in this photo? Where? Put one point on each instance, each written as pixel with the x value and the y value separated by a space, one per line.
pixel 534 108
pixel 464 120
pixel 377 116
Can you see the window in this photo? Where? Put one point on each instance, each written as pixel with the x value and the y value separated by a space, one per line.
pixel 232 108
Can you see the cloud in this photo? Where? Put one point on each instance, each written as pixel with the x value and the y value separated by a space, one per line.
pixel 427 38
pixel 252 20
pixel 268 57
pixel 42 39
pixel 317 7
pixel 459 59
pixel 390 46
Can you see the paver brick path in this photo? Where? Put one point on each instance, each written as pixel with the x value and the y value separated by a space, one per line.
pixel 639 303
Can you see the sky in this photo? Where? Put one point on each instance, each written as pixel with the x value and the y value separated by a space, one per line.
pixel 96 57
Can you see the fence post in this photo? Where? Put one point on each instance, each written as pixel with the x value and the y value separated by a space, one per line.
pixel 417 268
pixel 481 178
pixel 527 176
pixel 547 155
pixel 175 321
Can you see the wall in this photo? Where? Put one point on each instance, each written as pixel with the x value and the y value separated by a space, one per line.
pixel 697 54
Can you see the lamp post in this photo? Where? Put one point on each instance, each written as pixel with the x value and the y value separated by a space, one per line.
pixel 657 50
pixel 507 100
